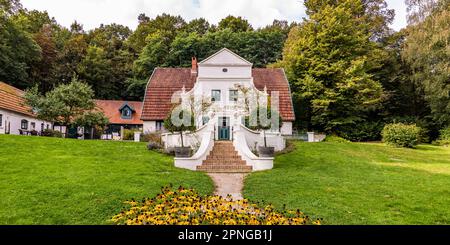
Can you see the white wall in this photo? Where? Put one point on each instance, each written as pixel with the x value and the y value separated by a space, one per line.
pixel 14 120
pixel 286 128
pixel 149 126
pixel 217 71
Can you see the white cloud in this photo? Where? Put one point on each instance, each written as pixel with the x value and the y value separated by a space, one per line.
pixel 92 13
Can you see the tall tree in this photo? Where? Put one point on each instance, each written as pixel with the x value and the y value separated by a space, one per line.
pixel 328 59
pixel 200 26
pixel 166 24
pixel 427 52
pixel 95 69
pixel 18 51
pixel 236 24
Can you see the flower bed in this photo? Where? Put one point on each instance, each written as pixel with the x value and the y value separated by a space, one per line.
pixel 186 207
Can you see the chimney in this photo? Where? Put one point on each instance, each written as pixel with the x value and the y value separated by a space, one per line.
pixel 194 65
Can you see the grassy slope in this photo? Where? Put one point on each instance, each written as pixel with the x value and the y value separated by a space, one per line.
pixel 349 183
pixel 63 181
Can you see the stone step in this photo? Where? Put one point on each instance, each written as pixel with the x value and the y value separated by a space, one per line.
pixel 219 157
pixel 225 169
pixel 224 162
pixel 224 158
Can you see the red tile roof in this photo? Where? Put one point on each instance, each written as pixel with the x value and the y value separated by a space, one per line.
pixel 111 110
pixel 11 99
pixel 166 81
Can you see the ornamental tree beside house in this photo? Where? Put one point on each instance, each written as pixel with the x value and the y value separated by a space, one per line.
pixel 259 122
pixel 178 121
pixel 66 105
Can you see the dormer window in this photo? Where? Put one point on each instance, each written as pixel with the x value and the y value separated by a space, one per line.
pixel 126 111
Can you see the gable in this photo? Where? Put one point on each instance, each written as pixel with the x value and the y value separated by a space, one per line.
pixel 225 57
pixel 126 105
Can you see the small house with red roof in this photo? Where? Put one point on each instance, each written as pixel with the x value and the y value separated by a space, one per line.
pixel 15 116
pixel 121 115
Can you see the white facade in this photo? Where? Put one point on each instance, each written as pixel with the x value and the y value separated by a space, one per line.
pixel 219 78
pixel 12 122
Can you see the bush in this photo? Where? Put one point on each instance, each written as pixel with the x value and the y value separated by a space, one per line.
pixel 334 138
pixel 153 146
pixel 151 137
pixel 51 133
pixel 365 131
pixel 402 135
pixel 444 137
pixel 186 207
pixel 128 134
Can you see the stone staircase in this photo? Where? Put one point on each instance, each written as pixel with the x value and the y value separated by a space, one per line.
pixel 224 159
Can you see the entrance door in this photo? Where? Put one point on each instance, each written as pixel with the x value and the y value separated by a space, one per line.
pixel 224 128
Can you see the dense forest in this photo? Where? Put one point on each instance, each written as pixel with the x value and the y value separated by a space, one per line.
pixel 350 73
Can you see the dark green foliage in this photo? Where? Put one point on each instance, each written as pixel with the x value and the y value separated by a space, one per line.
pixel 364 131
pixel 18 51
pixel 235 24
pixel 444 137
pixel 329 59
pixel 51 133
pixel 402 135
pixel 66 104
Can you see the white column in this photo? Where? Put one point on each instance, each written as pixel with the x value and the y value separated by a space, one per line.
pixel 311 137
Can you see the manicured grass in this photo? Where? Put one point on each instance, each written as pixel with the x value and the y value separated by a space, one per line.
pixel 64 181
pixel 351 183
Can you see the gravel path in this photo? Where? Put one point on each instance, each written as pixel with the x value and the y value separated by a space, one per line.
pixel 228 184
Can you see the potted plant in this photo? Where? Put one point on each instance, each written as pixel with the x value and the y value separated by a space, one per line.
pixel 180 127
pixel 264 151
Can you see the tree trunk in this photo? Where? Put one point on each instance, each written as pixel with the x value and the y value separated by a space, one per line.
pixel 181 134
pixel 265 141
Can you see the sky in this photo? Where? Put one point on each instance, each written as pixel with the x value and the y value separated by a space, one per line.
pixel 92 13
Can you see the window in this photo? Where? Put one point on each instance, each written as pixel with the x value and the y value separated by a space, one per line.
pixel 159 125
pixel 1 120
pixel 225 70
pixel 42 127
pixel 33 126
pixel 205 120
pixel 126 113
pixel 233 95
pixel 24 124
pixel 215 95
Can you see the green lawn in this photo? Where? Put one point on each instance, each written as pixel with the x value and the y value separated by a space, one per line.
pixel 351 183
pixel 64 181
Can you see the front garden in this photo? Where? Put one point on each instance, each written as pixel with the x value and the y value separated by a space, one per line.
pixel 359 183
pixel 64 181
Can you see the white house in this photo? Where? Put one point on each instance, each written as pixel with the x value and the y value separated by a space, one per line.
pixel 218 79
pixel 15 116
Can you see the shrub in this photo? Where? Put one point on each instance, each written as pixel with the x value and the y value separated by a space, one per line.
pixel 444 137
pixel 128 134
pixel 153 146
pixel 51 133
pixel 186 207
pixel 151 137
pixel 365 131
pixel 402 135
pixel 334 138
